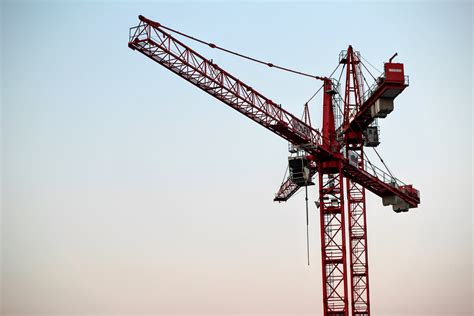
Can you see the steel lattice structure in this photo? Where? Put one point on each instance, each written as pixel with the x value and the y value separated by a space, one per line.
pixel 354 142
pixel 335 155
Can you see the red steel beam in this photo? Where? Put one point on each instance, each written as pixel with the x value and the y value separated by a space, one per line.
pixel 358 258
pixel 155 43
pixel 333 240
pixel 382 89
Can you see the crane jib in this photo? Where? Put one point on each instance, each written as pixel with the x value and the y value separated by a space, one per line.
pixel 177 57
pixel 335 156
pixel 160 46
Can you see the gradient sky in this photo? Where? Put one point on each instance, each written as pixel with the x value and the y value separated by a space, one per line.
pixel 127 191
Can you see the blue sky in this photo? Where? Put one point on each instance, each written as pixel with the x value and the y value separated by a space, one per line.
pixel 125 190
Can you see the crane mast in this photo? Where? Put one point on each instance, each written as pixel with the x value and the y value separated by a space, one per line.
pixel 332 215
pixel 354 142
pixel 334 154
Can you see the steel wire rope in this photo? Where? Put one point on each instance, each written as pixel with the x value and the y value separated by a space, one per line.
pixel 284 176
pixel 368 86
pixel 383 162
pixel 307 221
pixel 311 98
pixel 212 45
pixel 380 72
pixel 317 91
pixel 271 65
pixel 368 72
pixel 370 163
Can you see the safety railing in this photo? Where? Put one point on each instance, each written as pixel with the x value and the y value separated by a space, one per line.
pixel 377 83
pixel 375 171
pixel 382 175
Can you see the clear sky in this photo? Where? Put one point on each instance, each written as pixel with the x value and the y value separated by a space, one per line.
pixel 127 191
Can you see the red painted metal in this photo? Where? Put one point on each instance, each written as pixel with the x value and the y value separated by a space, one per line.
pixel 306 115
pixel 332 217
pixel 288 188
pixel 386 86
pixel 149 39
pixel 333 240
pixel 352 95
pixel 394 72
pixel 323 149
pixel 329 128
pixel 359 269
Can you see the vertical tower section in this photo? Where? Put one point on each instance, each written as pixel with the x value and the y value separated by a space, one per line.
pixel 332 216
pixel 360 300
pixel 356 204
pixel 352 95
pixel 329 128
pixel 333 245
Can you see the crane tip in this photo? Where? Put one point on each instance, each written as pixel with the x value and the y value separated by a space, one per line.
pixel 148 21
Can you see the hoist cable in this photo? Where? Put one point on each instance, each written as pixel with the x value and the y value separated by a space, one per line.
pixel 212 45
pixel 284 176
pixel 307 223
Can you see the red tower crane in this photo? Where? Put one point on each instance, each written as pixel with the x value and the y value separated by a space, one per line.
pixel 334 154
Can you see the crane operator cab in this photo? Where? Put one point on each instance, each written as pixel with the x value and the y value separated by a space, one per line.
pixel 299 170
pixel 371 136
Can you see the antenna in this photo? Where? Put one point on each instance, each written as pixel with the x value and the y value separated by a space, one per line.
pixel 391 58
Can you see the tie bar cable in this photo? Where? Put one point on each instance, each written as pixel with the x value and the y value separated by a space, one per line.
pixel 212 45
